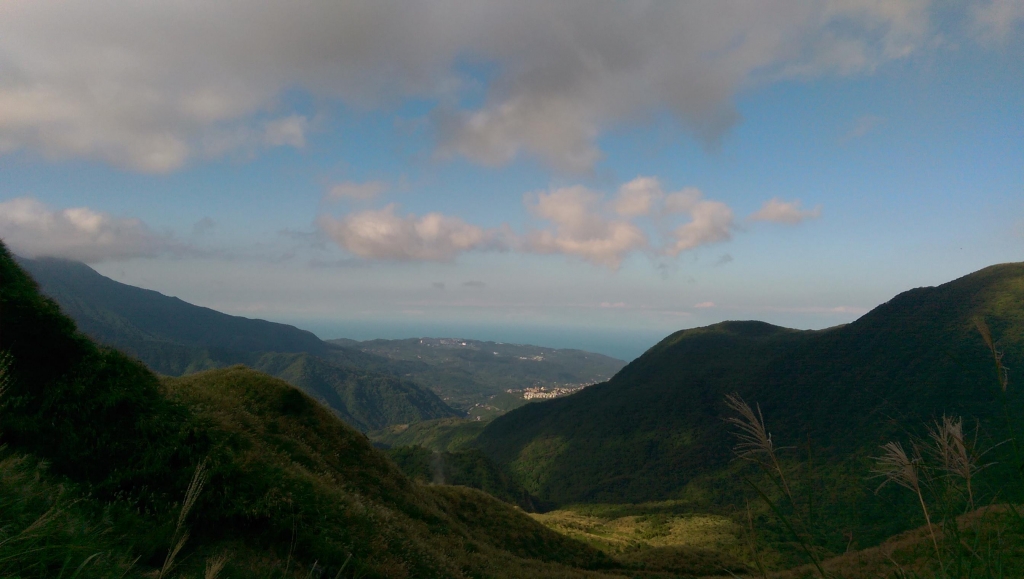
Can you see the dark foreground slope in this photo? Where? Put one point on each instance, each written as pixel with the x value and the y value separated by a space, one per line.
pixel 656 430
pixel 174 337
pixel 290 491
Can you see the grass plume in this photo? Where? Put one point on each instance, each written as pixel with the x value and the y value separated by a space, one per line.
pixel 180 535
pixel 954 452
pixel 754 442
pixel 900 468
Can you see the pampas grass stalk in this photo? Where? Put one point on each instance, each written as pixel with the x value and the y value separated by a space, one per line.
pixel 899 468
pixel 755 445
pixel 180 535
pixel 954 452
pixel 754 440
pixel 214 566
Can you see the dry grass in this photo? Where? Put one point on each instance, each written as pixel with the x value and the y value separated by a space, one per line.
pixel 680 544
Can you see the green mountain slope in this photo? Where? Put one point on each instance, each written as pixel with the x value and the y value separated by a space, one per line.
pixel 290 490
pixel 472 374
pixel 656 430
pixel 122 315
pixel 442 435
pixel 469 468
pixel 365 400
pixel 174 337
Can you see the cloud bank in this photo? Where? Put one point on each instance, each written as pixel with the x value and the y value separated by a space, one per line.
pixel 32 229
pixel 381 234
pixel 150 85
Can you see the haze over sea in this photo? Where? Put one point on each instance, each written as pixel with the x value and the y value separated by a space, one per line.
pixel 615 342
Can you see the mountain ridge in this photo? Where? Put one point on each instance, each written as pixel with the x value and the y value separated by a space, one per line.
pixel 174 337
pixel 657 431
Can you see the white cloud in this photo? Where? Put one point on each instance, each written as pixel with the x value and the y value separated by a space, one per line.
pixel 149 85
pixel 584 226
pixel 580 227
pixel 788 212
pixel 576 221
pixel 356 191
pixel 710 222
pixel 638 197
pixel 704 305
pixel 682 201
pixel 32 229
pixel 380 234
pixel 995 20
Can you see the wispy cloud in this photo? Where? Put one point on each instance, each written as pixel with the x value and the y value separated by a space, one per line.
pixel 862 126
pixel 776 210
pixel 995 20
pixel 356 191
pixel 203 227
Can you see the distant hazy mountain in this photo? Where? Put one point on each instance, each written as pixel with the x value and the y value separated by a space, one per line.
pixel 174 337
pixel 371 384
pixel 656 430
pixel 468 373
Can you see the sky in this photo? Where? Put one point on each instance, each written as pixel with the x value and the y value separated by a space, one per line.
pixel 583 173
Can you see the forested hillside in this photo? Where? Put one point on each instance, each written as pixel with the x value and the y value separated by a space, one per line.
pixel 107 471
pixel 657 430
pixel 175 338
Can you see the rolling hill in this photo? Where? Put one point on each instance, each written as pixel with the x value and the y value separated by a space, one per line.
pixel 174 338
pixel 657 430
pixel 97 453
pixel 371 384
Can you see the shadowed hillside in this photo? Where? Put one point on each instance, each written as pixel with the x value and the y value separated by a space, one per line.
pixel 279 486
pixel 656 430
pixel 174 337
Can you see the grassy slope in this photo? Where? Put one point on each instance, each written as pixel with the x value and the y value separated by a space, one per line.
pixel 174 338
pixel 442 435
pixel 469 468
pixel 656 430
pixel 290 487
pixel 363 399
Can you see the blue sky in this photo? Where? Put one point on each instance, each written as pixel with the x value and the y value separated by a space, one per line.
pixel 581 174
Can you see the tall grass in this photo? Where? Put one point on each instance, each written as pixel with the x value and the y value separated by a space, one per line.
pixel 180 535
pixel 940 469
pixel 755 445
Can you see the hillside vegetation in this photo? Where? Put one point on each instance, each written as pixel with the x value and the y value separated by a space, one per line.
pixel 442 435
pixel 472 374
pixel 175 338
pixel 657 430
pixel 106 471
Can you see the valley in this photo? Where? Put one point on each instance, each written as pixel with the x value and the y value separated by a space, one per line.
pixel 572 465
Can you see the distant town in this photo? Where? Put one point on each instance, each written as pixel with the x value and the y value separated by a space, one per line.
pixel 544 392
